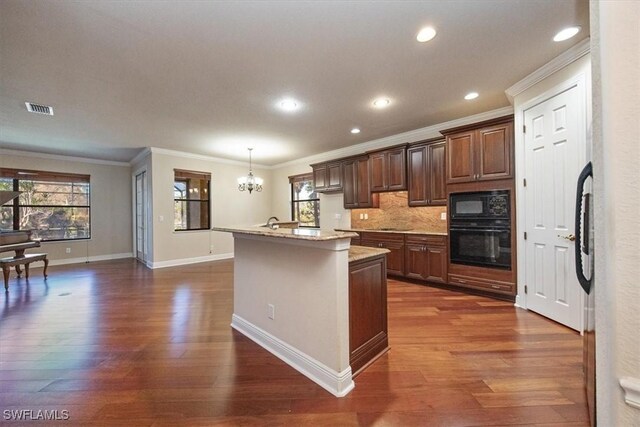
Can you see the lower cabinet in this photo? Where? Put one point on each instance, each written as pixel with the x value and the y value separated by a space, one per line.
pixel 392 241
pixel 368 337
pixel 426 258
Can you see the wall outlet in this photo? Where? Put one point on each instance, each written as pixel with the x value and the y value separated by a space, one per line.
pixel 271 312
pixel 443 216
pixel 366 216
pixel 361 216
pixel 68 250
pixel 338 216
pixel 161 218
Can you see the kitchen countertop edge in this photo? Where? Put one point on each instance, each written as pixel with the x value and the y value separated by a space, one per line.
pixel 359 253
pixel 290 233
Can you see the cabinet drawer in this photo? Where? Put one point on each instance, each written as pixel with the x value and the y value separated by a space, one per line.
pixel 382 237
pixel 427 239
pixel 482 284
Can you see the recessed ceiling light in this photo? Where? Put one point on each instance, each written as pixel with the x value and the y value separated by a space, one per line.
pixel 355 130
pixel 566 34
pixel 426 34
pixel 288 105
pixel 471 95
pixel 381 102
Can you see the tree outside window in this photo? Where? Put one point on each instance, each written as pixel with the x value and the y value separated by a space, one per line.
pixel 55 206
pixel 305 203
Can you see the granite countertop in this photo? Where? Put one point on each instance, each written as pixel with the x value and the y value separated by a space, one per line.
pixel 358 253
pixel 402 231
pixel 290 233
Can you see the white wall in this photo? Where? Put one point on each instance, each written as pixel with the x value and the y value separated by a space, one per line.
pixel 616 157
pixel 228 207
pixel 111 225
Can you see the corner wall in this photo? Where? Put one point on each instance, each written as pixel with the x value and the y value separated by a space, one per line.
pixel 616 67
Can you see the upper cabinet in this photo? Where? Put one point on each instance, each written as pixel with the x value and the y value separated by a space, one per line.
pixel 357 193
pixel 327 177
pixel 480 152
pixel 387 169
pixel 426 173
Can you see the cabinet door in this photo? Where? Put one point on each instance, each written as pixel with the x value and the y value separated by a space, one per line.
pixel 417 168
pixel 350 184
pixel 395 258
pixel 364 198
pixel 437 194
pixel 334 176
pixel 494 152
pixel 378 171
pixel 320 177
pixel 396 169
pixel 436 264
pixel 415 261
pixel 460 157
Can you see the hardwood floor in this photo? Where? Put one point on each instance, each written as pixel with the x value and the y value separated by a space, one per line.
pixel 115 343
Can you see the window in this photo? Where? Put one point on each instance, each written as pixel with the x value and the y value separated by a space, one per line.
pixel 305 204
pixel 191 200
pixel 55 206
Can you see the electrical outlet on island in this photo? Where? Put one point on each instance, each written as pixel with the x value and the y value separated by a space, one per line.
pixel 443 216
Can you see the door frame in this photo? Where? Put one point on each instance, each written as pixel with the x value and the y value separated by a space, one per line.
pixel 582 81
pixel 148 216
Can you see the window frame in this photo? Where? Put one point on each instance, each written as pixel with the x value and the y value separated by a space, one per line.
pixel 17 175
pixel 301 178
pixel 182 175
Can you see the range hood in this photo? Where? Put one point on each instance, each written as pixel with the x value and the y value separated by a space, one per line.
pixel 7 196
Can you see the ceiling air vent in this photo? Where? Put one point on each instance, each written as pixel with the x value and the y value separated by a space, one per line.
pixel 39 109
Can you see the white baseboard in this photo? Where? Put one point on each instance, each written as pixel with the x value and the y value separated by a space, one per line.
pixel 337 383
pixel 186 261
pixel 82 260
pixel 519 303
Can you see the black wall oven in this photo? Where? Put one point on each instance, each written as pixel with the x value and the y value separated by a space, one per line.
pixel 480 229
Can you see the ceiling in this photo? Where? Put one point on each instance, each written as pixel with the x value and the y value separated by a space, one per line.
pixel 205 77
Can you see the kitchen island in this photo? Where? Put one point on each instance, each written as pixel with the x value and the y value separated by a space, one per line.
pixel 295 295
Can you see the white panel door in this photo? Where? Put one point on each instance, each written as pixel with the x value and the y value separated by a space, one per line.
pixel 553 156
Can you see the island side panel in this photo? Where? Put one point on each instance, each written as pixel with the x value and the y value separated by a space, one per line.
pixel 307 282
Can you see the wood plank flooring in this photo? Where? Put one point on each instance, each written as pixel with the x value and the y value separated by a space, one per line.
pixel 115 343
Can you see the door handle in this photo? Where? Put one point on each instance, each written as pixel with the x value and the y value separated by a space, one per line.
pixel 570 237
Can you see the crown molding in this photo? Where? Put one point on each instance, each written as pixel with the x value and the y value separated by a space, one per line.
pixel 9 152
pixel 185 155
pixel 401 138
pixel 140 156
pixel 574 53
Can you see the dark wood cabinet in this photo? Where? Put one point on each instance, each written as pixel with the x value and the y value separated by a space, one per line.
pixel 327 177
pixel 426 173
pixel 387 169
pixel 480 152
pixel 426 258
pixel 368 337
pixel 392 241
pixel 357 193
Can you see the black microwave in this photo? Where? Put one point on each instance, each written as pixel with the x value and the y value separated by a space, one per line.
pixel 480 205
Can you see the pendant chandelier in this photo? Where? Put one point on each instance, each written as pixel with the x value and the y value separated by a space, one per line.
pixel 250 182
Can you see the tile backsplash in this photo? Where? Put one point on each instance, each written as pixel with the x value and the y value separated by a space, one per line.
pixel 394 212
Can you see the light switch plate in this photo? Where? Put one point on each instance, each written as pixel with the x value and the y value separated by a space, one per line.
pixel 443 216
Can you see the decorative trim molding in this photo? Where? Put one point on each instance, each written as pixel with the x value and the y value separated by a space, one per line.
pixel 631 387
pixel 337 383
pixel 574 53
pixel 82 260
pixel 206 158
pixel 187 261
pixel 140 156
pixel 401 138
pixel 9 152
pixel 519 303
